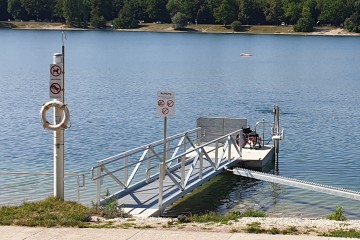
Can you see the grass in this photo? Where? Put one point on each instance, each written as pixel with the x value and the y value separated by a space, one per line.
pixel 254 227
pixel 338 215
pixel 225 219
pixel 213 217
pixel 47 213
pixel 343 233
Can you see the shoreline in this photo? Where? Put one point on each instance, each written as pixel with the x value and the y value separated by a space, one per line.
pixel 201 28
pixel 265 225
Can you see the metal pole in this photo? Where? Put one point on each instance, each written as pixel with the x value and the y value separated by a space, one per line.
pixel 162 171
pixel 277 127
pixel 58 144
pixel 263 136
pixel 161 188
pixel 165 145
pixel 98 185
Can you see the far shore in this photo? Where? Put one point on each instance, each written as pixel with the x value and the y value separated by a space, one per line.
pixel 199 28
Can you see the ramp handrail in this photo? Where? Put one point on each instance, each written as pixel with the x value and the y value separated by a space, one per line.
pixel 182 160
pixel 80 183
pixel 140 161
pixel 263 127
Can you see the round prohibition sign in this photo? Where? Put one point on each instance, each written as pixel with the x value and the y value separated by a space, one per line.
pixel 165 111
pixel 170 103
pixel 55 71
pixel 55 88
pixel 161 103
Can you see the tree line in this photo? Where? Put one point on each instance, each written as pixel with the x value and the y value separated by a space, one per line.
pixel 303 14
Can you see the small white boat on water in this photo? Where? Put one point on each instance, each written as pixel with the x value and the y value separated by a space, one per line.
pixel 245 54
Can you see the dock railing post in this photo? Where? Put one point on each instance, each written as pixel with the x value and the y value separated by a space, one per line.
pixel 98 184
pixel 148 165
pixel 217 154
pixel 263 135
pixel 201 163
pixel 126 170
pixel 182 172
pixel 229 148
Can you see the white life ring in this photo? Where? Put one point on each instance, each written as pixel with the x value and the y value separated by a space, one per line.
pixel 59 105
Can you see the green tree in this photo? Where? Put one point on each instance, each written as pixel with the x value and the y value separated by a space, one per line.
pixel 292 10
pixel 127 17
pixel 117 5
pixel 305 23
pixel 96 19
pixel 179 20
pixel 156 10
pixel 39 9
pixel 274 11
pixel 76 12
pixel 4 15
pixel 204 13
pixel 16 10
pixel 352 23
pixel 58 13
pixel 237 26
pixel 246 8
pixel 226 13
pixel 105 9
pixel 188 7
pixel 333 11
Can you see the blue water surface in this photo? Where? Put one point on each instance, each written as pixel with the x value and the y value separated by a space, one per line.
pixel 111 83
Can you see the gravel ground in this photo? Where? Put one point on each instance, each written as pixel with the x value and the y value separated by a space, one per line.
pixel 309 226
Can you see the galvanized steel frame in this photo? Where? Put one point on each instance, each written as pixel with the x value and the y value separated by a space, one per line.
pixel 99 172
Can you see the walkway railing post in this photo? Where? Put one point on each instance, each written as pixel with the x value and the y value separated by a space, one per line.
pixel 148 165
pixel 229 148
pixel 126 171
pixel 98 185
pixel 201 163
pixel 217 154
pixel 182 172
pixel 241 140
pixel 183 158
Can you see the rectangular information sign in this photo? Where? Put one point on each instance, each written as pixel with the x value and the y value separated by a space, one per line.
pixel 165 105
pixel 56 81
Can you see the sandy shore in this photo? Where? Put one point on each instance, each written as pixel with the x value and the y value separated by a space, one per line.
pixel 151 27
pixel 298 226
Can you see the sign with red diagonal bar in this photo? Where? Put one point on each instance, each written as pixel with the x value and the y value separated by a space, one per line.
pixel 165 104
pixel 56 81
pixel 55 88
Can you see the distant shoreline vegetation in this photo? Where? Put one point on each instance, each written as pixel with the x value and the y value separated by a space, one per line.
pixel 199 28
pixel 301 15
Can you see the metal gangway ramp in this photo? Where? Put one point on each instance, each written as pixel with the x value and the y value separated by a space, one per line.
pixel 341 192
pixel 137 172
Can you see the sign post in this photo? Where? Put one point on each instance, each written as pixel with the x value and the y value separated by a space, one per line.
pixel 57 92
pixel 165 107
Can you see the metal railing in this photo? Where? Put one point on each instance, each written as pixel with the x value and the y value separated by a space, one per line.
pixel 139 166
pixel 264 126
pixel 195 157
pixel 80 178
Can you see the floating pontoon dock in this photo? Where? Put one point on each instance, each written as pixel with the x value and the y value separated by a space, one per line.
pixel 195 157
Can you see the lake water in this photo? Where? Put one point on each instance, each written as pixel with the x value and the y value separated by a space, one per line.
pixel 111 83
